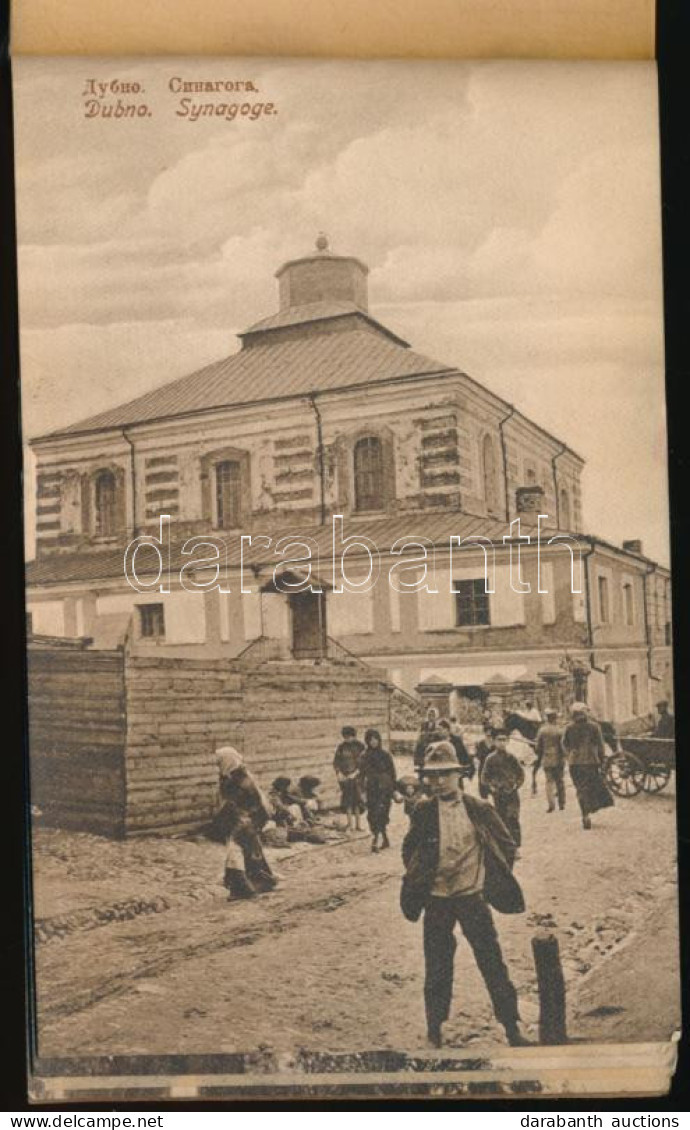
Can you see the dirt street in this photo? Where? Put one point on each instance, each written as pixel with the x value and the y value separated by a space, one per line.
pixel 141 953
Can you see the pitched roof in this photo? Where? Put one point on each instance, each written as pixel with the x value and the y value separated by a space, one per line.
pixel 438 527
pixel 316 312
pixel 277 365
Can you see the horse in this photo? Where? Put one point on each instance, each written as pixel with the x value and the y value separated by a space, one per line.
pixel 529 729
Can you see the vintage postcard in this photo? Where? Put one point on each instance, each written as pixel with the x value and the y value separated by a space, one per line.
pixel 351 712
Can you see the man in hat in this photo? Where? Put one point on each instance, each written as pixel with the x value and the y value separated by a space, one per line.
pixel 503 776
pixel 551 758
pixel 666 724
pixel 458 858
pixel 583 743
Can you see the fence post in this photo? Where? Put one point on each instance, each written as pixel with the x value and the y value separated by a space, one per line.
pixel 551 986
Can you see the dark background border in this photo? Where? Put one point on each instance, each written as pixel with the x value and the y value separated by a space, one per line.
pixel 673 50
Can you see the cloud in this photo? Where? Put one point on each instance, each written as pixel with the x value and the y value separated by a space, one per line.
pixel 114 363
pixel 509 213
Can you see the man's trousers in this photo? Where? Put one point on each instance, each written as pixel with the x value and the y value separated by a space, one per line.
pixel 555 787
pixel 507 806
pixel 476 922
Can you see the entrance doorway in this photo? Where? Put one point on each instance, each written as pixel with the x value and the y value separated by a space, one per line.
pixel 308 625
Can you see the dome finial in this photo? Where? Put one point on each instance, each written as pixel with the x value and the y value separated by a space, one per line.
pixel 321 242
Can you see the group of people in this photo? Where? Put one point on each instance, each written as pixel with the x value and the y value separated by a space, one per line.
pixel 459 849
pixel 580 746
pixel 246 816
pixel 367 778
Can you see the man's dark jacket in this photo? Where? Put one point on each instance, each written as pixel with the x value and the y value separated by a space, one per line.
pixel 421 856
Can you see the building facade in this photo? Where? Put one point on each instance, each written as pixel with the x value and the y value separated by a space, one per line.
pixel 324 412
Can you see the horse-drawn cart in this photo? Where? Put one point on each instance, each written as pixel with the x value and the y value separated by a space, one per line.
pixel 641 764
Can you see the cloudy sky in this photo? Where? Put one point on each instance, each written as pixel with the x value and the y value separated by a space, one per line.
pixel 509 214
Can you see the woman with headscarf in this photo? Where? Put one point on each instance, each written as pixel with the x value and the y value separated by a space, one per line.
pixel 584 748
pixel 243 813
pixel 378 780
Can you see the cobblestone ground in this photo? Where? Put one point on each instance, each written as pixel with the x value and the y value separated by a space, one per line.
pixel 139 952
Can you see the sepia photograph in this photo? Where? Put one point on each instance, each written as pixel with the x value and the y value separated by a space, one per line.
pixel 349 632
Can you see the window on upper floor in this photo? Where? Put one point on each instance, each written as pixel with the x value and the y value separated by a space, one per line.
pixel 105 504
pixel 228 494
pixel 369 474
pixel 151 621
pixel 603 593
pixel 490 473
pixel 471 603
pixel 628 604
pixel 634 696
pixel 564 509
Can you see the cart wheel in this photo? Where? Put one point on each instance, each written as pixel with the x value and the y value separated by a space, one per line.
pixel 624 775
pixel 654 778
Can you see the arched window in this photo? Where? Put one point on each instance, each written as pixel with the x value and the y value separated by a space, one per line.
pixel 564 510
pixel 228 494
pixel 369 487
pixel 490 473
pixel 105 504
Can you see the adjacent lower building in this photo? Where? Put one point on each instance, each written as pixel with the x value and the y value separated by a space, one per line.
pixel 325 415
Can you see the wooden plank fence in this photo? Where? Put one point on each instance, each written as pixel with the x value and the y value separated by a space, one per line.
pixel 125 745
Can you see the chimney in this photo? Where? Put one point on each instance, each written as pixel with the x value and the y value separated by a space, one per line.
pixel 633 546
pixel 323 277
pixel 529 500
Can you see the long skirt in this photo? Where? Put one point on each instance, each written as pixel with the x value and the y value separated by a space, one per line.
pixel 378 811
pixel 592 793
pixel 245 845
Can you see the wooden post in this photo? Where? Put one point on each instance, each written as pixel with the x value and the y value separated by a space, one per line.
pixel 551 986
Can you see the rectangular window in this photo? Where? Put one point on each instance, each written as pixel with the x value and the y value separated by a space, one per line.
pixel 634 697
pixel 628 604
pixel 152 621
pixel 603 589
pixel 105 500
pixel 368 463
pixel 471 603
pixel 228 494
